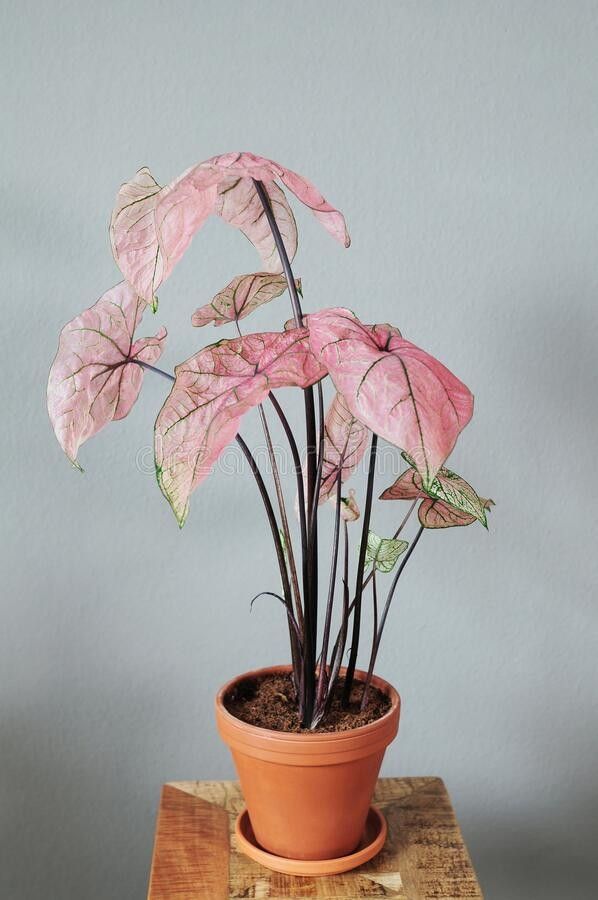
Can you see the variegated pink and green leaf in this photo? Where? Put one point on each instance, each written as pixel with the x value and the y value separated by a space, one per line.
pixel 437 514
pixel 152 226
pixel 449 500
pixel 452 490
pixel 393 387
pixel 382 553
pixel 240 297
pixel 345 442
pixel 96 377
pixel 212 392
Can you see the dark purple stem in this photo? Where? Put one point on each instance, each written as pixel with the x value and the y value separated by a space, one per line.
pixel 284 575
pixel 339 647
pixel 323 674
pixel 282 252
pixel 300 488
pixel 360 566
pixel 310 599
pixel 374 637
pixel 155 369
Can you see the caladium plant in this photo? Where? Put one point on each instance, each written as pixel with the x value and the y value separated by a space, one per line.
pixel 383 387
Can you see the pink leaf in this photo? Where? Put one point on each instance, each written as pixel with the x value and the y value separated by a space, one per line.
pixel 240 298
pixel 151 226
pixel 408 486
pixel 239 205
pixel 437 514
pixel 345 442
pixel 460 505
pixel 398 390
pixel 94 378
pixel 332 220
pixel 212 392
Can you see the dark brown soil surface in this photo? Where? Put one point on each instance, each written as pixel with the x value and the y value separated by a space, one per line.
pixel 269 701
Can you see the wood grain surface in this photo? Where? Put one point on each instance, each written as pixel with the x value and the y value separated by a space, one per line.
pixel 195 857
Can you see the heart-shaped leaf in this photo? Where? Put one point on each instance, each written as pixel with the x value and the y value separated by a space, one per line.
pixel 437 514
pixel 345 442
pixel 152 226
pixel 449 500
pixel 383 553
pixel 398 390
pixel 95 376
pixel 240 297
pixel 212 392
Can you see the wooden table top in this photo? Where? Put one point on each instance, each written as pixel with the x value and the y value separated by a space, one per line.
pixel 195 857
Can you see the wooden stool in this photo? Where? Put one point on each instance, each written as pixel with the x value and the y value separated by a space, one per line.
pixel 195 857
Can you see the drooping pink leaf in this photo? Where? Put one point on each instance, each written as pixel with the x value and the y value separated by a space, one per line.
pixel 212 392
pixel 345 442
pixel 332 220
pixel 95 377
pixel 240 297
pixel 395 388
pixel 449 501
pixel 239 205
pixel 152 226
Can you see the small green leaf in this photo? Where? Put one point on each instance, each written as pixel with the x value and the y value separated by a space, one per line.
pixel 155 302
pixel 383 553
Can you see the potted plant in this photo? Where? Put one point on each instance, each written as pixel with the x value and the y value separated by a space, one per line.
pixel 307 738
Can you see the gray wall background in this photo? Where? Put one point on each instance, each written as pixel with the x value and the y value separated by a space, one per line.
pixel 460 139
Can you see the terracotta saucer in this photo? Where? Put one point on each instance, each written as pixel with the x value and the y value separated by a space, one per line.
pixel 371 843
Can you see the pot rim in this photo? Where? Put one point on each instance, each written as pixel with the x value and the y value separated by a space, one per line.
pixel 305 737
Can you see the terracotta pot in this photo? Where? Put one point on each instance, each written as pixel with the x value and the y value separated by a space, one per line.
pixel 307 795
